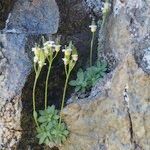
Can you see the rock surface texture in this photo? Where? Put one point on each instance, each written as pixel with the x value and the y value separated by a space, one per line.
pixel 116 116
pixel 26 18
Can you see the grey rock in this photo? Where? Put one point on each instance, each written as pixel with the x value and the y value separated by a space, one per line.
pixel 116 115
pixel 95 6
pixel 40 16
pixel 26 18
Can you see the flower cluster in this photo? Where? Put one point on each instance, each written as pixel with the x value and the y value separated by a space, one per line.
pixel 39 56
pixel 70 55
pixel 93 26
pixel 46 52
pixel 106 7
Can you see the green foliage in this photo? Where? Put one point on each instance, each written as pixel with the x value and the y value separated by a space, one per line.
pixel 86 79
pixel 50 131
pixel 50 128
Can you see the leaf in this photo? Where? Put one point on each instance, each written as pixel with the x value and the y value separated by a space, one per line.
pixel 42 138
pixel 73 83
pixel 42 119
pixel 77 88
pixel 66 132
pixel 102 74
pixel 80 74
pixel 63 139
pixel 83 90
pixel 41 112
pixel 47 141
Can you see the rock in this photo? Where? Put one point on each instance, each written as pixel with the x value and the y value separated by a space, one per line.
pixel 116 115
pixel 25 19
pixel 34 17
pixel 5 8
pixel 94 6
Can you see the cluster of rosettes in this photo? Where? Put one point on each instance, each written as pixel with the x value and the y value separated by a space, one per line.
pixel 70 54
pixel 46 52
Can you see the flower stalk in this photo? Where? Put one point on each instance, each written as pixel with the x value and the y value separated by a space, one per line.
pixel 39 62
pixel 93 28
pixel 50 48
pixel 70 59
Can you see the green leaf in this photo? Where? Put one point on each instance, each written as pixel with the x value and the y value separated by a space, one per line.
pixel 80 74
pixel 73 83
pixel 77 88
pixel 41 112
pixel 66 132
pixel 83 90
pixel 47 141
pixel 42 138
pixel 42 119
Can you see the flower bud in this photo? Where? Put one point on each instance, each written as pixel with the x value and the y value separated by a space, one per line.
pixel 35 59
pixel 65 61
pixel 49 43
pixel 75 57
pixel 35 50
pixel 46 51
pixel 106 7
pixel 67 51
pixel 57 48
pixel 41 64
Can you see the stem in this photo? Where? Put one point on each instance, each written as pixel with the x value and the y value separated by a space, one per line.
pixel 64 94
pixel 91 51
pixel 46 85
pixel 34 105
pixel 103 23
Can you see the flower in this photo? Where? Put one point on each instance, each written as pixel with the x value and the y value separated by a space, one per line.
pixel 35 50
pixel 41 64
pixel 67 51
pixel 93 28
pixel 65 60
pixel 106 7
pixel 75 57
pixel 57 48
pixel 35 59
pixel 49 43
pixel 46 51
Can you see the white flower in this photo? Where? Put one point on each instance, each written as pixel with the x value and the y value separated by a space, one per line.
pixel 57 48
pixel 106 7
pixel 46 51
pixel 41 64
pixel 93 28
pixel 35 50
pixel 35 59
pixel 65 61
pixel 49 43
pixel 67 51
pixel 75 57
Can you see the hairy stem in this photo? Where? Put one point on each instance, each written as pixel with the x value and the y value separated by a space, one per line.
pixel 91 50
pixel 46 84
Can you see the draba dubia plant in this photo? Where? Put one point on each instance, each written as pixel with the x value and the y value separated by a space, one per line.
pixel 50 128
